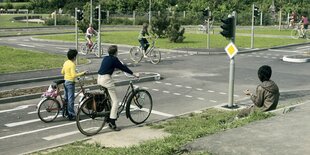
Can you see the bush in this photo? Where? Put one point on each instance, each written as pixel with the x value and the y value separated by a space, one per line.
pixel 140 20
pixel 160 24
pixel 122 21
pixel 61 20
pixel 175 33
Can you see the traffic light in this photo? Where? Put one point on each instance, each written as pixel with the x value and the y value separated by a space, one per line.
pixel 80 15
pixel 256 11
pixel 205 12
pixel 96 13
pixel 228 27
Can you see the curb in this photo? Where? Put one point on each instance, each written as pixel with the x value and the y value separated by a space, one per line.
pixel 289 58
pixel 153 77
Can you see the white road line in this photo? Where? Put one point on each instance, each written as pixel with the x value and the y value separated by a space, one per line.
pixel 161 113
pixel 169 84
pixel 200 98
pixel 168 57
pixel 236 95
pixel 188 87
pixel 303 47
pixel 176 94
pixel 266 57
pixel 157 82
pixel 277 50
pixel 274 58
pixel 155 89
pixel 199 89
pixel 12 39
pixel 128 63
pixel 25 45
pixel 26 40
pixel 174 56
pixel 212 101
pixel 165 91
pixel 34 131
pixel 222 93
pixel 17 108
pixel 250 55
pixel 210 91
pixel 145 88
pixel 189 96
pixel 258 56
pixel 61 135
pixel 178 85
pixel 61 48
pixel 21 123
pixel 125 59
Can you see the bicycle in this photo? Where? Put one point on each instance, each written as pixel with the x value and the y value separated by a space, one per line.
pixel 297 32
pixel 94 110
pixel 153 53
pixel 84 48
pixel 49 106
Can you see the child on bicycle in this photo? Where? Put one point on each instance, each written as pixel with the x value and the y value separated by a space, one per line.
pixel 68 70
pixel 305 22
pixel 89 33
pixel 108 65
pixel 142 38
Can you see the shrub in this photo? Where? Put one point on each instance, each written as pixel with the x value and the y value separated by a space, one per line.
pixel 160 25
pixel 61 20
pixel 175 33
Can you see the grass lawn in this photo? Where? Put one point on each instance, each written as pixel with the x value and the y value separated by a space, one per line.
pixel 183 130
pixel 191 41
pixel 17 60
pixel 7 21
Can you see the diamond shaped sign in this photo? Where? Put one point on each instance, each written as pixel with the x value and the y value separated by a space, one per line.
pixel 231 50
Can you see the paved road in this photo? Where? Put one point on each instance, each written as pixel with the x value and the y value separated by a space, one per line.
pixel 190 82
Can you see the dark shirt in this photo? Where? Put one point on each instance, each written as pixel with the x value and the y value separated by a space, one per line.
pixel 109 63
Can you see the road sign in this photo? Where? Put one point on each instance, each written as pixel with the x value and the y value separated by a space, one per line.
pixel 231 50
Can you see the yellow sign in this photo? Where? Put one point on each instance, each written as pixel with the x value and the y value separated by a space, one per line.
pixel 231 50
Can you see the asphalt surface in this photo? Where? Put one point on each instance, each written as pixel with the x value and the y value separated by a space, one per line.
pixel 190 81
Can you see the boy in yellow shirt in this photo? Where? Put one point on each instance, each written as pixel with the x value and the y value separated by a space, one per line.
pixel 68 70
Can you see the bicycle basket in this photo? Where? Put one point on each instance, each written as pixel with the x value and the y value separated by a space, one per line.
pixel 50 92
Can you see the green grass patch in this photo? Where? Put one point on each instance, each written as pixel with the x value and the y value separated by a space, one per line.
pixel 17 60
pixel 183 130
pixel 191 41
pixel 7 21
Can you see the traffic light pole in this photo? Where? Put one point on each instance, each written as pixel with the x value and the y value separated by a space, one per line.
pixel 76 35
pixel 252 29
pixel 99 35
pixel 208 40
pixel 232 68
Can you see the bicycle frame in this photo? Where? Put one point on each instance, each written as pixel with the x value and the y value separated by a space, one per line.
pixel 152 46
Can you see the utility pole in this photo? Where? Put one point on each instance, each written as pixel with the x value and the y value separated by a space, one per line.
pixel 91 12
pixel 150 12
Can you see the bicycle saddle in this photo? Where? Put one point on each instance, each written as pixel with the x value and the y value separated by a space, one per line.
pixel 58 82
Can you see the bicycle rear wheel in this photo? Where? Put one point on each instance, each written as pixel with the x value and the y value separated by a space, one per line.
pixel 295 34
pixel 155 55
pixel 88 121
pixel 48 109
pixel 136 54
pixel 83 48
pixel 139 106
pixel 307 34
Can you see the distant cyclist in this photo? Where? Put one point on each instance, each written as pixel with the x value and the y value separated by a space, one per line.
pixel 89 33
pixel 142 38
pixel 305 22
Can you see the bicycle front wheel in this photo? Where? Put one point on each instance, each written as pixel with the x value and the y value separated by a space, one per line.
pixel 295 34
pixel 136 54
pixel 83 49
pixel 155 56
pixel 48 109
pixel 88 121
pixel 139 106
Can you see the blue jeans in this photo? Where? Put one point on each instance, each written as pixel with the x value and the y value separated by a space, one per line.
pixel 144 43
pixel 69 97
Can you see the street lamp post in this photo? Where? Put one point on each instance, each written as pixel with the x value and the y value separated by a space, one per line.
pixel 91 12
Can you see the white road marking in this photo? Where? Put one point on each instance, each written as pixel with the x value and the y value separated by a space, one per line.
pixel 61 135
pixel 157 82
pixel 189 96
pixel 161 113
pixel 25 45
pixel 129 63
pixel 155 89
pixel 176 94
pixel 303 47
pixel 222 93
pixel 178 85
pixel 199 89
pixel 210 91
pixel 200 98
pixel 125 59
pixel 174 56
pixel 258 56
pixel 145 88
pixel 188 87
pixel 185 55
pixel 286 51
pixel 274 58
pixel 250 55
pixel 169 84
pixel 26 40
pixel 168 57
pixel 266 57
pixel 236 95
pixel 34 131
pixel 167 92
pixel 212 101
pixel 12 39
pixel 61 48
pixel 21 123
pixel 17 108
